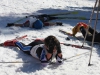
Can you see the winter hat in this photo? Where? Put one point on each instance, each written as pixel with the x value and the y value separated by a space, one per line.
pixel 38 24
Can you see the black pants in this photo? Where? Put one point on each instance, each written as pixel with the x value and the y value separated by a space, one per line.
pixel 89 37
pixel 26 48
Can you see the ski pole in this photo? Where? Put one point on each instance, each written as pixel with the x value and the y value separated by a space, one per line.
pixel 77 55
pixel 39 62
pixel 18 20
pixel 23 18
pixel 89 64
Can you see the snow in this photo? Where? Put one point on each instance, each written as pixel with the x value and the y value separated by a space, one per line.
pixel 15 62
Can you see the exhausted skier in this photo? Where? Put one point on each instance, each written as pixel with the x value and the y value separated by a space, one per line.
pixel 37 22
pixel 43 50
pixel 82 28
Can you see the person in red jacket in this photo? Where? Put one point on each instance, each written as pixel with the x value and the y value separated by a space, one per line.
pixel 82 28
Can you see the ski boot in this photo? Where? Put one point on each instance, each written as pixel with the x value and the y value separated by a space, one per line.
pixel 9 43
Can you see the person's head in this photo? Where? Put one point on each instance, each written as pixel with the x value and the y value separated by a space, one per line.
pixel 52 44
pixel 38 24
pixel 35 23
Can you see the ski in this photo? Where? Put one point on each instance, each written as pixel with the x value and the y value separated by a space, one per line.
pixel 17 38
pixel 77 46
pixel 64 32
pixel 65 13
pixel 67 33
pixel 79 18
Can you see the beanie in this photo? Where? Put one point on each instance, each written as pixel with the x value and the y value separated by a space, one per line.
pixel 38 24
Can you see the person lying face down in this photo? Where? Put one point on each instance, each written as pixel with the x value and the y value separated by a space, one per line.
pixel 36 23
pixel 43 50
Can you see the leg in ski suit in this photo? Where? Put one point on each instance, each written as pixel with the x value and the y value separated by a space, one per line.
pixel 27 48
pixel 42 50
pixel 89 37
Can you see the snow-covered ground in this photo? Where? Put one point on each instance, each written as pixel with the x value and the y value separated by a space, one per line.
pixel 78 59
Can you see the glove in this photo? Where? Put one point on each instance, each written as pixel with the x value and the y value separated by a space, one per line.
pixel 10 43
pixel 59 23
pixel 10 24
pixel 59 59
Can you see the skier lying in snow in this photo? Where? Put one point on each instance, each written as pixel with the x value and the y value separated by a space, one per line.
pixel 82 27
pixel 37 22
pixel 43 50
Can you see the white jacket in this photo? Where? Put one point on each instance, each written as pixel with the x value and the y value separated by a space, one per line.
pixel 43 53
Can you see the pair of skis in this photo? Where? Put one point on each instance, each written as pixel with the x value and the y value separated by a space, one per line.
pixel 68 13
pixel 51 15
pixel 73 45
